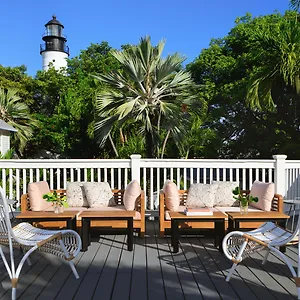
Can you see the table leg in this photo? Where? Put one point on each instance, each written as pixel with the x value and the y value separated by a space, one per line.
pixel 219 233
pixel 85 233
pixel 130 234
pixel 174 235
pixel 71 224
pixel 230 225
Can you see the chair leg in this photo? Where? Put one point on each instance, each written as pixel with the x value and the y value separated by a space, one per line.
pixel 28 259
pixel 13 293
pixel 266 256
pixel 14 282
pixel 73 269
pixel 231 272
pixel 70 262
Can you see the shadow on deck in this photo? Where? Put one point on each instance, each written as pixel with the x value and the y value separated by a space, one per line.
pixel 108 271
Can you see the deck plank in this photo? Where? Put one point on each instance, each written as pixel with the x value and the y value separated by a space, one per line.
pixel 173 289
pixel 122 285
pixel 156 289
pixel 105 285
pixel 139 286
pixel 92 276
pixel 108 271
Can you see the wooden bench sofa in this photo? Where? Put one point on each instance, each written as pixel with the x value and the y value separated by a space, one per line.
pixel 138 222
pixel 165 222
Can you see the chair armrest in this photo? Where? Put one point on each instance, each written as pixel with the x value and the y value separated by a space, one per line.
pixel 25 204
pixel 142 204
pixel 277 203
pixel 161 205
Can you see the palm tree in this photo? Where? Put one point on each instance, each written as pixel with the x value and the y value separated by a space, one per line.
pixel 149 90
pixel 278 50
pixel 16 113
pixel 295 5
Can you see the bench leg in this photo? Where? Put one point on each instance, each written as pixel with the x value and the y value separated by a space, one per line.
pixel 130 234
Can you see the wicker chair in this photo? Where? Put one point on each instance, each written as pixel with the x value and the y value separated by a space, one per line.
pixel 238 245
pixel 62 243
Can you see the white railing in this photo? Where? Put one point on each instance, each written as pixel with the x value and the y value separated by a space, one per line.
pixel 151 173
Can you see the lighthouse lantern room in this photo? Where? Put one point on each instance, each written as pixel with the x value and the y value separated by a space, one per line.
pixel 54 50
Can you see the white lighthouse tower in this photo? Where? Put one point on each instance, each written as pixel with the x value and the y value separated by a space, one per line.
pixel 54 50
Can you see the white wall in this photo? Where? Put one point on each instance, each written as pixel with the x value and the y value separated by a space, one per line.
pixel 4 142
pixel 59 59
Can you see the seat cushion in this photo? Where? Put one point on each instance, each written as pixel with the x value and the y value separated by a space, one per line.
pixel 116 208
pixel 172 199
pixel 223 193
pixel 201 195
pixel 36 190
pixel 132 192
pixel 264 192
pixel 76 195
pixel 181 208
pixel 99 194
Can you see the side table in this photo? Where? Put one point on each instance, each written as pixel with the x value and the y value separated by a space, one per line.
pixel 88 216
pixel 40 216
pixel 178 217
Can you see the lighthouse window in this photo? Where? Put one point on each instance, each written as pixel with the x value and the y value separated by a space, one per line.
pixel 54 30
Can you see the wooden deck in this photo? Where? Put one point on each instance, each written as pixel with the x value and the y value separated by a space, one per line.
pixel 108 271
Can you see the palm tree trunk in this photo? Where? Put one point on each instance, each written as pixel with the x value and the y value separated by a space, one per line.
pixel 164 144
pixel 113 145
pixel 149 145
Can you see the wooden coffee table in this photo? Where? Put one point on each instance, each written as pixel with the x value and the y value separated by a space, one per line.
pixel 179 217
pixel 42 216
pixel 88 216
pixel 235 218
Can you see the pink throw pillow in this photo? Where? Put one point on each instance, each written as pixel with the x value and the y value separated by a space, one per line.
pixel 132 192
pixel 264 192
pixel 36 190
pixel 172 199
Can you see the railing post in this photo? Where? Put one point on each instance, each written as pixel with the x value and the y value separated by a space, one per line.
pixel 135 167
pixel 279 176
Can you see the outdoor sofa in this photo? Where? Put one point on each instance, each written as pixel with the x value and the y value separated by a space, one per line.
pixel 203 194
pixel 77 202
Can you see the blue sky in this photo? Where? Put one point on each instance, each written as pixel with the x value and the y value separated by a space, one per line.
pixel 187 26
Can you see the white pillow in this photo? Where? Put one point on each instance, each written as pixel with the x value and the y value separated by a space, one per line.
pixel 223 193
pixel 201 195
pixel 76 195
pixel 99 194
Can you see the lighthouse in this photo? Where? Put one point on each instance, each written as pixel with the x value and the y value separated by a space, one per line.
pixel 54 50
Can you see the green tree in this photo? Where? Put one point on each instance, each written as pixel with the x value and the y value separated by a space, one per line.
pixel 64 105
pixel 226 68
pixel 278 51
pixel 16 113
pixel 149 91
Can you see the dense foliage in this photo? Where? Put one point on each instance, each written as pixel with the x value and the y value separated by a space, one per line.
pixel 251 79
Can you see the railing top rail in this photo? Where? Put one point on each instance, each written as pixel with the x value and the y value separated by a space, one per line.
pixel 64 163
pixel 205 163
pixel 293 162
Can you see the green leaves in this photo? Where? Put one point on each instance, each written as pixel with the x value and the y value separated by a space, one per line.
pixel 242 197
pixel 148 91
pixel 55 198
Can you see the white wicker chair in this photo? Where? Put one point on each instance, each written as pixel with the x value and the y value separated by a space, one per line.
pixel 237 245
pixel 63 243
